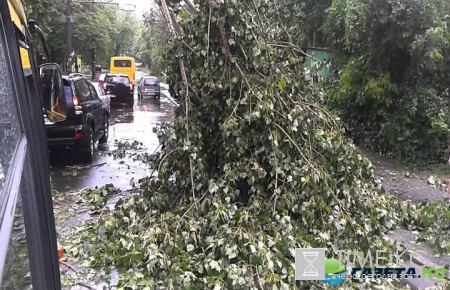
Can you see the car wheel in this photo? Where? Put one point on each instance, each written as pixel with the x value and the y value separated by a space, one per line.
pixel 88 149
pixel 105 136
pixel 130 103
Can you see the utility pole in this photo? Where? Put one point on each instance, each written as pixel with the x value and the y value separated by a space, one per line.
pixel 69 22
pixel 93 63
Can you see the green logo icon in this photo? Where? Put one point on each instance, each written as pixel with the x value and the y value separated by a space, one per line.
pixel 334 266
pixel 335 272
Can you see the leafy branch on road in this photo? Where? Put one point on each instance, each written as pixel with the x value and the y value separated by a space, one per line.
pixel 255 169
pixel 272 171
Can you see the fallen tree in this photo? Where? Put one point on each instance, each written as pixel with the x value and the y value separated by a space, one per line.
pixel 251 168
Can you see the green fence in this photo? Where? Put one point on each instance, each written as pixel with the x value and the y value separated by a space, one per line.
pixel 318 62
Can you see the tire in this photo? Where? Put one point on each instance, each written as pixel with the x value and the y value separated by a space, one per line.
pixel 130 103
pixel 88 149
pixel 105 136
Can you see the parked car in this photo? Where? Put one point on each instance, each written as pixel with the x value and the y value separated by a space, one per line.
pixel 76 75
pixel 149 86
pixel 101 78
pixel 120 88
pixel 106 99
pixel 78 120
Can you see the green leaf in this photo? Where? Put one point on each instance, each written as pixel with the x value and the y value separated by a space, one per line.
pixel 281 84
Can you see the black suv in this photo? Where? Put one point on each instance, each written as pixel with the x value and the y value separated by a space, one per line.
pixel 120 88
pixel 78 120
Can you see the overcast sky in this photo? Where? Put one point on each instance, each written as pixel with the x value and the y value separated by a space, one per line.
pixel 141 5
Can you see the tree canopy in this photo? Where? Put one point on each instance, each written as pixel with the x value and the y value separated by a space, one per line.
pixel 100 26
pixel 392 69
pixel 151 42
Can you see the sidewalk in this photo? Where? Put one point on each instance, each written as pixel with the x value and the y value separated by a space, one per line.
pixel 416 187
pixel 405 185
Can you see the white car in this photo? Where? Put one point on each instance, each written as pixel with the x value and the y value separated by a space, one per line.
pixel 106 99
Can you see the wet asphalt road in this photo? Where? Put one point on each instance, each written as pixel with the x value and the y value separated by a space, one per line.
pixel 126 125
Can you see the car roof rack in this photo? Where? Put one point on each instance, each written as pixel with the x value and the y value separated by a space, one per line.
pixel 117 74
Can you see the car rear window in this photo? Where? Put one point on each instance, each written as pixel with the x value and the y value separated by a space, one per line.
pixel 68 95
pixel 150 82
pixel 122 63
pixel 112 80
pixel 115 79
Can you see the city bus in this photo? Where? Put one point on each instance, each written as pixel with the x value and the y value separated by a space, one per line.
pixel 125 65
pixel 28 245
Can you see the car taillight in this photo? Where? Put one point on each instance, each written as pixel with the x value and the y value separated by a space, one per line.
pixel 78 131
pixel 142 90
pixel 76 105
pixel 75 101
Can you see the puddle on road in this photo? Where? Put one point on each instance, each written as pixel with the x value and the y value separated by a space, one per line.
pixel 122 169
pixel 127 125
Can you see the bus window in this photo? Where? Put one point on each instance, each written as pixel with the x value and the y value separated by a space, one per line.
pixel 122 63
pixel 10 130
pixel 14 262
pixel 28 245
pixel 16 274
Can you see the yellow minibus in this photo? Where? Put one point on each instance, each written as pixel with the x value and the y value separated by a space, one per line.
pixel 125 65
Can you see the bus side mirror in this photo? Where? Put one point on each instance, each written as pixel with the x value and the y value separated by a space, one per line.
pixel 52 91
pixel 51 72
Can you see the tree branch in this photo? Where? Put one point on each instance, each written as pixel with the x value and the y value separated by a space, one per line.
pixel 190 6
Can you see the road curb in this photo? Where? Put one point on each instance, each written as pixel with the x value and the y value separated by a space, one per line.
pixel 422 261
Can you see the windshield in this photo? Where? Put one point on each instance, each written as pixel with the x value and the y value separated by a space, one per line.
pixel 150 82
pixel 116 79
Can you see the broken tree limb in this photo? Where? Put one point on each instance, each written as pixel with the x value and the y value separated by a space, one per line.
pixel 177 31
pixel 177 27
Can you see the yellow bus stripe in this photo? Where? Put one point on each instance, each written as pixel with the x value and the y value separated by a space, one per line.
pixel 25 58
